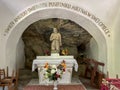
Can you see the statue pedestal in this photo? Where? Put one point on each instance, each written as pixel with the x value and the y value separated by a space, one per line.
pixel 54 54
pixel 40 61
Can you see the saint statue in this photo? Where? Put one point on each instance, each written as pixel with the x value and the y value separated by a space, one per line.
pixel 55 39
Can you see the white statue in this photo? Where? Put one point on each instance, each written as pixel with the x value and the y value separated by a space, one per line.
pixel 55 39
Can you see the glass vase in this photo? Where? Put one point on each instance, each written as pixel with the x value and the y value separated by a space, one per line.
pixel 55 85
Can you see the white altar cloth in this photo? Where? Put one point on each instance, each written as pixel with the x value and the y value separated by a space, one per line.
pixel 42 61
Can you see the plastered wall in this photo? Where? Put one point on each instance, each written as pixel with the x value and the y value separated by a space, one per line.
pixel 106 10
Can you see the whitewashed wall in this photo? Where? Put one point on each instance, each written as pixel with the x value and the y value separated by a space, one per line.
pixel 92 49
pixel 106 10
pixel 116 48
pixel 20 55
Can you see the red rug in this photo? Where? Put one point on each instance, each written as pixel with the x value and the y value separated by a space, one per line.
pixel 50 87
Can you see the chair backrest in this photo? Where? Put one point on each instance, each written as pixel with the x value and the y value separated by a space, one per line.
pixel 7 72
pixel 2 74
pixel 16 76
pixel 13 74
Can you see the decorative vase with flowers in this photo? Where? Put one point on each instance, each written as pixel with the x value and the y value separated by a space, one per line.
pixel 53 72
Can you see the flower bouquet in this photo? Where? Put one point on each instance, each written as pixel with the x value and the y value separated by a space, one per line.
pixel 53 72
pixel 65 51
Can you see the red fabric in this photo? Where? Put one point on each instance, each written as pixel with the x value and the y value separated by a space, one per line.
pixel 112 81
pixel 50 87
pixel 103 87
pixel 115 82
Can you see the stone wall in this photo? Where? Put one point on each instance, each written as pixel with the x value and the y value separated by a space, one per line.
pixel 36 38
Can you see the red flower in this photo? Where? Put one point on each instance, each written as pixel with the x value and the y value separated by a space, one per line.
pixel 57 75
pixel 63 69
pixel 46 52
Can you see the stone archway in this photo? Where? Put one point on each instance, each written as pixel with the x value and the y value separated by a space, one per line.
pixel 89 25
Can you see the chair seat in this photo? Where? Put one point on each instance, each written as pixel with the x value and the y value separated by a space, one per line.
pixel 10 78
pixel 10 81
pixel 6 81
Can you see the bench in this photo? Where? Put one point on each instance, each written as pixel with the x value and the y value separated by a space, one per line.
pixel 92 71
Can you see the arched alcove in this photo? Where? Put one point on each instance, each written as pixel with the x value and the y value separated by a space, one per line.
pixel 87 24
pixel 36 39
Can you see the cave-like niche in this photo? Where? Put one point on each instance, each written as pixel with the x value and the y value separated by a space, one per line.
pixel 37 43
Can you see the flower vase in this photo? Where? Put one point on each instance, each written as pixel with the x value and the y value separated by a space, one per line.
pixel 55 85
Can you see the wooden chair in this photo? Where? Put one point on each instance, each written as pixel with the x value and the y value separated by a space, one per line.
pixel 8 80
pixel 14 76
pixel 2 75
pixel 88 68
pixel 92 69
pixel 4 81
pixel 15 81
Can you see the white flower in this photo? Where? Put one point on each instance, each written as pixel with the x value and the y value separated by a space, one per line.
pixel 46 76
pixel 58 71
pixel 46 73
pixel 53 71
pixel 54 66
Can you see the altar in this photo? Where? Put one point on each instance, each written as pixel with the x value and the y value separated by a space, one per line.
pixel 40 61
